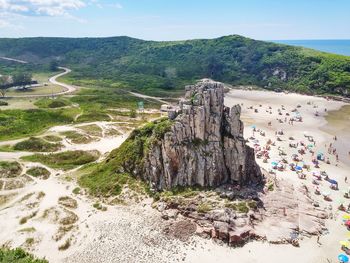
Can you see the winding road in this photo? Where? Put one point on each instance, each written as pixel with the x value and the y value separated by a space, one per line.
pixel 68 88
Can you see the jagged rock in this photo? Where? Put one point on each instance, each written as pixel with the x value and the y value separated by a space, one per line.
pixel 205 146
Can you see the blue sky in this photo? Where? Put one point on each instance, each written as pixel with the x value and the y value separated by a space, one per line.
pixel 177 19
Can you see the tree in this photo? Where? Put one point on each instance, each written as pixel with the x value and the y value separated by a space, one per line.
pixel 22 79
pixel 54 65
pixel 4 85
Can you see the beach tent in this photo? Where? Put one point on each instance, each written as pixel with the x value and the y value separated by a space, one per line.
pixel 343 258
pixel 345 244
pixel 298 168
pixel 331 181
pixel 326 194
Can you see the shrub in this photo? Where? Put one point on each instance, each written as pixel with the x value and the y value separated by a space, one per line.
pixel 64 160
pixel 10 169
pixel 18 255
pixel 34 144
pixel 40 172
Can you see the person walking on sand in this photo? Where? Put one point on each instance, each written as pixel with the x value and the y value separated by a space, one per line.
pixel 346 179
pixel 318 239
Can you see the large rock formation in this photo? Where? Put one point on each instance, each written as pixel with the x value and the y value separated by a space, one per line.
pixel 205 146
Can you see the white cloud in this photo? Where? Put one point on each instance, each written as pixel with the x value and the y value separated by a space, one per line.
pixel 41 7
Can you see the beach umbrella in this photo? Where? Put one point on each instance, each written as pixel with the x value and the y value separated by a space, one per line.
pixel 346 217
pixel 343 258
pixel 347 223
pixel 345 243
pixel 253 126
pixel 274 163
pixel 310 146
pixel 298 168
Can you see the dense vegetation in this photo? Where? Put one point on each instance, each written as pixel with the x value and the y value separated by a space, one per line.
pixel 121 166
pixel 123 62
pixel 18 255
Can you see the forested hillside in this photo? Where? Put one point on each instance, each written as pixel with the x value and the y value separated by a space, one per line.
pixel 151 66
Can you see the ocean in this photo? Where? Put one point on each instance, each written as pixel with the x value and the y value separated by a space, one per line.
pixel 341 47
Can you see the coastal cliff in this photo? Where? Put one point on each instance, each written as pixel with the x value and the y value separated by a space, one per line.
pixel 204 145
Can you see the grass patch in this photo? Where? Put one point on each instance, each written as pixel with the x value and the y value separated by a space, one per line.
pixel 241 207
pixel 98 206
pixel 10 169
pixel 53 138
pixel 18 255
pixel 24 220
pixel 93 116
pixel 52 103
pixel 92 129
pixel 22 123
pixel 27 230
pixel 68 202
pixel 64 160
pixel 76 190
pixel 34 144
pixel 65 245
pixel 204 208
pixel 40 172
pixel 3 103
pixel 76 137
pixel 6 148
pixel 29 241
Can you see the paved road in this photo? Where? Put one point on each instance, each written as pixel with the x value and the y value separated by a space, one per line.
pixel 139 95
pixel 15 60
pixel 67 88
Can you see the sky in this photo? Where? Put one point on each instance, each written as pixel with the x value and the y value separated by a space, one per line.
pixel 176 19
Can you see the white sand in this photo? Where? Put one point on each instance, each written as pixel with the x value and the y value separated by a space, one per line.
pixel 133 233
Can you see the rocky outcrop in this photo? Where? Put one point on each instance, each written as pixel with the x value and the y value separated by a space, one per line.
pixel 205 144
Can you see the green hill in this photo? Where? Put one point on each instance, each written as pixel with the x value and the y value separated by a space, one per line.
pixel 153 67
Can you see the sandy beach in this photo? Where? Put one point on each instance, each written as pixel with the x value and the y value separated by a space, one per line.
pixel 133 233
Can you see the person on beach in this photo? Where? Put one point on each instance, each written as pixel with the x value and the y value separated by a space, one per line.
pixel 346 180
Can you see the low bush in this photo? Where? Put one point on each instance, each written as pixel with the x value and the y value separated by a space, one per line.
pixel 64 160
pixel 39 172
pixel 10 169
pixel 34 144
pixel 18 255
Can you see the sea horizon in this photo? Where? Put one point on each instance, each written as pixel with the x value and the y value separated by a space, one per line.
pixel 335 46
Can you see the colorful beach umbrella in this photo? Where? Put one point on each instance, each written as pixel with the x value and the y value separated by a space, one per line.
pixel 343 258
pixel 274 163
pixel 347 223
pixel 346 217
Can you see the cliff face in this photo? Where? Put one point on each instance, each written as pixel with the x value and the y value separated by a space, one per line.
pixel 205 146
